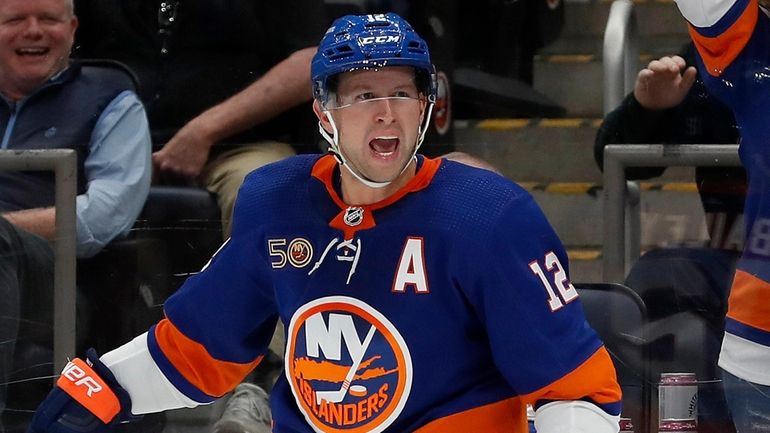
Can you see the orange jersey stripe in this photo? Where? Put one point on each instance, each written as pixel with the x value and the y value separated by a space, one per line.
pixel 506 416
pixel 743 304
pixel 718 52
pixel 193 361
pixel 595 379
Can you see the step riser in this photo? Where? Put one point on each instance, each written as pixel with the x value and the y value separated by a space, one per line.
pixel 578 87
pixel 652 18
pixel 661 29
pixel 668 218
pixel 535 154
pixel 543 154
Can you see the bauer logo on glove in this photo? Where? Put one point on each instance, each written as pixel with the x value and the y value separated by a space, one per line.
pixel 82 384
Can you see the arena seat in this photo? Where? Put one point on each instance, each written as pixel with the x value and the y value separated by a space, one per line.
pixel 619 317
pixel 685 290
pixel 124 286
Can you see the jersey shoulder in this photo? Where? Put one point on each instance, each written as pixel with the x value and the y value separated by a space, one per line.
pixel 479 200
pixel 462 182
pixel 275 189
pixel 274 179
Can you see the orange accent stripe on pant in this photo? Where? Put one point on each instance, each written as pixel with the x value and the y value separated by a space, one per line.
pixel 719 52
pixel 747 301
pixel 595 379
pixel 193 361
pixel 506 416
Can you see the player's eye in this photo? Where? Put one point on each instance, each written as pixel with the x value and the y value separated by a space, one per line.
pixel 365 96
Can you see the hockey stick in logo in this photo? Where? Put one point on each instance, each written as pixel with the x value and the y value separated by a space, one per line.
pixel 338 396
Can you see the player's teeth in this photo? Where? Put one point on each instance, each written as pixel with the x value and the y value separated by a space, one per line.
pixel 32 50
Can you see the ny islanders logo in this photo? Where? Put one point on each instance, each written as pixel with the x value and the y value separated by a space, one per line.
pixel 348 367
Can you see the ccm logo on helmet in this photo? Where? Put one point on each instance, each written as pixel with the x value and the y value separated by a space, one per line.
pixel 79 377
pixel 366 40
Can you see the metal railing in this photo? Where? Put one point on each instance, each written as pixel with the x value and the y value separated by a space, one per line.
pixel 63 162
pixel 615 195
pixel 620 56
pixel 620 59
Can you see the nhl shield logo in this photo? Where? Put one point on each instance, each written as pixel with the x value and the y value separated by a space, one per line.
pixel 347 365
pixel 354 216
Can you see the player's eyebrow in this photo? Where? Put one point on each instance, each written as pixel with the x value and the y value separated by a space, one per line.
pixel 368 87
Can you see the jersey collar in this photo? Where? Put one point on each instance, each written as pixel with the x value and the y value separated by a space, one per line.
pixel 324 170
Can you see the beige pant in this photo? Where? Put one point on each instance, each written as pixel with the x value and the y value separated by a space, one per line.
pixel 224 175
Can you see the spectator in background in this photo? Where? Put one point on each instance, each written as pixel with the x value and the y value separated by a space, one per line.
pixel 49 102
pixel 671 105
pixel 219 80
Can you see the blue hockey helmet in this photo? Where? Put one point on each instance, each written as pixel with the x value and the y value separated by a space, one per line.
pixel 356 42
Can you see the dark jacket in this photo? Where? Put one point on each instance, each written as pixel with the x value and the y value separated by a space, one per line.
pixel 59 115
pixel 699 119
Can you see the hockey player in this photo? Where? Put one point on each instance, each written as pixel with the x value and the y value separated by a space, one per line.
pixel 419 295
pixel 733 42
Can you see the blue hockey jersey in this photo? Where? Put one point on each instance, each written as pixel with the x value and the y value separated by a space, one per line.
pixel 445 308
pixel 733 41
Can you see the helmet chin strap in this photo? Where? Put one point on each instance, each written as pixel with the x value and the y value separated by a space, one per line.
pixel 336 151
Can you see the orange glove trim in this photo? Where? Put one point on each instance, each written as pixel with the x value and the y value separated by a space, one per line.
pixel 82 383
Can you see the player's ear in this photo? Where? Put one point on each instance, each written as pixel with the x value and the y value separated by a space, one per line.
pixel 323 116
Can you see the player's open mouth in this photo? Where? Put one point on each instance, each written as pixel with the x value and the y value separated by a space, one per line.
pixel 40 51
pixel 384 146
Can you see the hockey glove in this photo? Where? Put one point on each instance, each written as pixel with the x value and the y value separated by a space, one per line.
pixel 86 398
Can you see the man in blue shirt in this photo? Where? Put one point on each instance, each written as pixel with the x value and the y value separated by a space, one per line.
pixel 49 102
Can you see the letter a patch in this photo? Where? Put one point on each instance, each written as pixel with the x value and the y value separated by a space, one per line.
pixel 411 268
